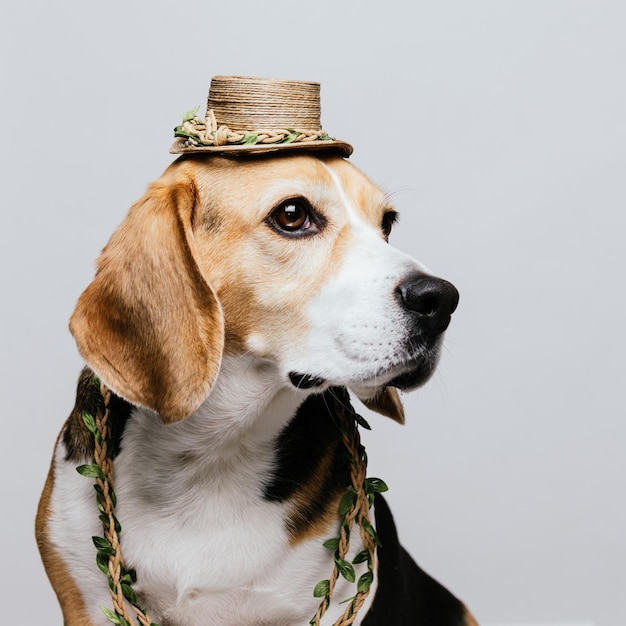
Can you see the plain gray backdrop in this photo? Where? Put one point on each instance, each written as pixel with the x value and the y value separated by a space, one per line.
pixel 498 127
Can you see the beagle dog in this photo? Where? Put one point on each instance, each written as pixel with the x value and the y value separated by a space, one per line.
pixel 231 310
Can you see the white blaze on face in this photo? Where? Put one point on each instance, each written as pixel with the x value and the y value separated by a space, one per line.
pixel 358 330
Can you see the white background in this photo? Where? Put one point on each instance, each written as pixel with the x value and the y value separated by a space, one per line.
pixel 500 129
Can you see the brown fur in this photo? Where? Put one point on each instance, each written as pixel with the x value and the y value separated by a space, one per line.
pixel 149 323
pixel 303 528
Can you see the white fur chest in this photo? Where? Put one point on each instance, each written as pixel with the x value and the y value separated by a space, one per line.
pixel 199 529
pixel 208 547
pixel 212 550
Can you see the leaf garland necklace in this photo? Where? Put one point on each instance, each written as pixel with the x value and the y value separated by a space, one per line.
pixel 354 508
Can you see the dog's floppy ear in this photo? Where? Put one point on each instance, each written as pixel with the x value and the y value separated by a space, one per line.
pixel 387 402
pixel 149 324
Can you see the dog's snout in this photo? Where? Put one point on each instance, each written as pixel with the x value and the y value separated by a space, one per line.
pixel 432 300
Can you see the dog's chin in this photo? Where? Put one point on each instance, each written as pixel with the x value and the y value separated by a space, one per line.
pixel 412 379
pixel 406 377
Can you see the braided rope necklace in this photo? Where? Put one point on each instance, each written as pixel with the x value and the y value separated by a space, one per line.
pixel 354 508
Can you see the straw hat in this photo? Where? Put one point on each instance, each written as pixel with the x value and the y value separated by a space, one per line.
pixel 247 115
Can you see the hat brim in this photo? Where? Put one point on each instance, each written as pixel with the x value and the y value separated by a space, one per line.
pixel 327 145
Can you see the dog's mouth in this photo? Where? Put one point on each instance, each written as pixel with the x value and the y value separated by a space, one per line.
pixel 406 376
pixel 306 381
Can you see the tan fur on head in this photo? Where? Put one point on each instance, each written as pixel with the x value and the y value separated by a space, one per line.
pixel 194 272
pixel 149 323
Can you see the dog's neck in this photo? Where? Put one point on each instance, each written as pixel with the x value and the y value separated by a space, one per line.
pixel 254 433
pixel 248 404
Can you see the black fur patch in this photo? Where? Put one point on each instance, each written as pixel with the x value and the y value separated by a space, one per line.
pixel 311 460
pixel 78 440
pixel 406 594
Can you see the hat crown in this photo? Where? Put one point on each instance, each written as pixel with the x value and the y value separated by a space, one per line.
pixel 248 115
pixel 244 103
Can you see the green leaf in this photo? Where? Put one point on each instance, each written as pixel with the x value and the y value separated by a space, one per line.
pixel 89 422
pixel 102 561
pixel 104 518
pixel 189 115
pixel 249 139
pixel 332 544
pixel 111 615
pixel 179 131
pixel 365 581
pixel 369 529
pixel 361 557
pixel 96 396
pixel 347 501
pixel 103 545
pixel 90 471
pixel 129 593
pixel 292 136
pixel 321 589
pixel 375 485
pixel 114 617
pixel 346 570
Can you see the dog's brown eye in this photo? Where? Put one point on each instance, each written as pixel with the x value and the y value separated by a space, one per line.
pixel 389 219
pixel 293 217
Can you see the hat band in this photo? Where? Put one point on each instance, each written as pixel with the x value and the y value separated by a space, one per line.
pixel 206 132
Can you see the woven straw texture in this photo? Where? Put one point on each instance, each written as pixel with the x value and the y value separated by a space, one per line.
pixel 257 115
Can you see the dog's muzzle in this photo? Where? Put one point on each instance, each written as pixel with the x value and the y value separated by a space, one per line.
pixel 426 304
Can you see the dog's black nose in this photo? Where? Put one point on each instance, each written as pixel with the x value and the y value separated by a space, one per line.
pixel 432 300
